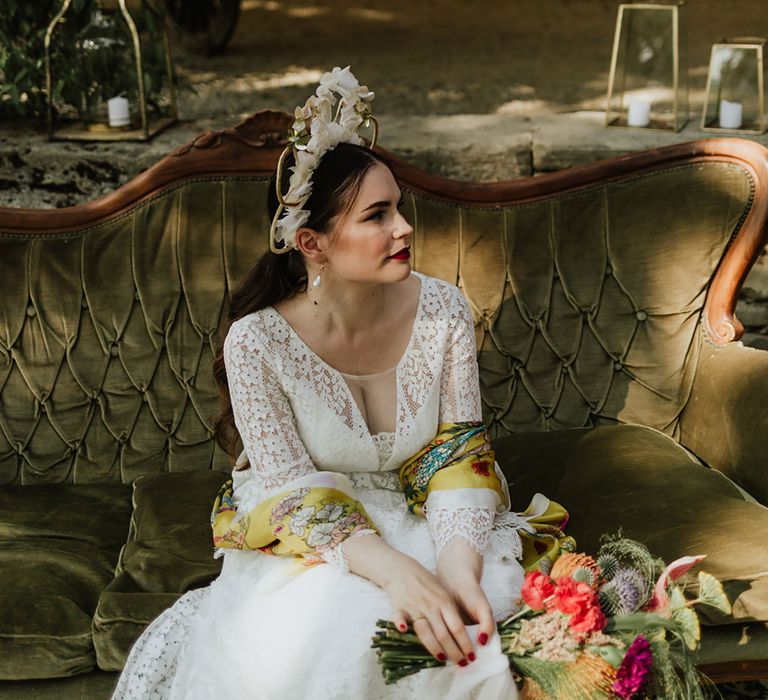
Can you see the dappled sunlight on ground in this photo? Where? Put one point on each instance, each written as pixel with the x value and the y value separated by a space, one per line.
pixel 521 58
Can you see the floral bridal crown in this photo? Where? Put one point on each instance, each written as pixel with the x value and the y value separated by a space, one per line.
pixel 315 131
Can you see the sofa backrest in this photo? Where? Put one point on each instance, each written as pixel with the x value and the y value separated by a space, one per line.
pixel 588 288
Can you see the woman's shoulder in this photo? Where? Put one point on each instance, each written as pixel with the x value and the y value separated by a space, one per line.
pixel 250 330
pixel 447 297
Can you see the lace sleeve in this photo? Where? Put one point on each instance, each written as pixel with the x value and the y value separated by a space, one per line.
pixel 266 424
pixel 468 513
pixel 262 414
pixel 460 380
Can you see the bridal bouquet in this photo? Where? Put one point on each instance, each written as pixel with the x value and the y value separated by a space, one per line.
pixel 621 625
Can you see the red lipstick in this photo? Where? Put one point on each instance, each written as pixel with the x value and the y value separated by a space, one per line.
pixel 402 255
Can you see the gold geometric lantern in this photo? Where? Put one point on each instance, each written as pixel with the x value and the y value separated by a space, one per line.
pixel 109 72
pixel 646 86
pixel 735 96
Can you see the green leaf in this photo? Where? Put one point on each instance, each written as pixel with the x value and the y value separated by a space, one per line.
pixel 711 592
pixel 685 618
pixel 613 655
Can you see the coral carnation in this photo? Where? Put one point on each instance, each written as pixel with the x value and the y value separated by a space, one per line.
pixel 538 587
pixel 571 597
pixel 588 619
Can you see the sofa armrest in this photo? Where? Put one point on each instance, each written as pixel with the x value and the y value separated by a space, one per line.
pixel 725 422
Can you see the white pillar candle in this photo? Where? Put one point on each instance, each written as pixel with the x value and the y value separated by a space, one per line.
pixel 639 113
pixel 730 114
pixel 118 111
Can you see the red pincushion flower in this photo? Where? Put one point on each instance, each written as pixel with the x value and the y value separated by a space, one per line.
pixel 481 468
pixel 538 587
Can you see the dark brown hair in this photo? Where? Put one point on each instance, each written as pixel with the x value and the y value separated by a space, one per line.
pixel 335 184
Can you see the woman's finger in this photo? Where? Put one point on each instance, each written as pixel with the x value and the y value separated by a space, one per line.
pixel 423 631
pixel 486 623
pixel 400 620
pixel 458 631
pixel 446 640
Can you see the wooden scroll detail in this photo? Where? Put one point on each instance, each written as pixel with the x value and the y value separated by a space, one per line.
pixel 264 129
pixel 253 147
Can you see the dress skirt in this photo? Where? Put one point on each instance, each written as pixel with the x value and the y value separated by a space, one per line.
pixel 270 628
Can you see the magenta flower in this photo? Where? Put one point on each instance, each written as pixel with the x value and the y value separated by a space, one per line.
pixel 635 668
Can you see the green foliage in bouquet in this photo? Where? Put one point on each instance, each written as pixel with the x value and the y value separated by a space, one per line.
pixel 620 625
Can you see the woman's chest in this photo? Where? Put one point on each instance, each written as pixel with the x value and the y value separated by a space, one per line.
pixel 341 423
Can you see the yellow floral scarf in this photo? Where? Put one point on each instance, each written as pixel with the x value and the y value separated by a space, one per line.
pixel 314 516
pixel 320 510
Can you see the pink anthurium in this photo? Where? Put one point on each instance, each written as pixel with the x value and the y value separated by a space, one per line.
pixel 674 571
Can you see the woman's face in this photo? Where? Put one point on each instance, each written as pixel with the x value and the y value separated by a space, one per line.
pixel 366 236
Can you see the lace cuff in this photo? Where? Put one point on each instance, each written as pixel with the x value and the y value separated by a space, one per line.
pixel 473 524
pixel 476 515
pixel 336 555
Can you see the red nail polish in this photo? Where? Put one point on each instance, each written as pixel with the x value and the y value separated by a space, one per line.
pixel 463 662
pixel 483 638
pixel 471 656
pixel 403 628
pixel 441 656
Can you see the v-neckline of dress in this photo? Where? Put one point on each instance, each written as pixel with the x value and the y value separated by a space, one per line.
pixel 340 377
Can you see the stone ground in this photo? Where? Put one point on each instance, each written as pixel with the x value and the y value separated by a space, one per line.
pixel 475 90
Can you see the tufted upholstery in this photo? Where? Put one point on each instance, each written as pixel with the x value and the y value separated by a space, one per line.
pixel 107 337
pixel 588 311
pixel 602 295
pixel 588 307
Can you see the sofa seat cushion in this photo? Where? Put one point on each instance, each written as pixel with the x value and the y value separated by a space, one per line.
pixel 58 550
pixel 169 552
pixel 640 480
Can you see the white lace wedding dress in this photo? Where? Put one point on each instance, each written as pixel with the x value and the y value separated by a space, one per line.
pixel 270 629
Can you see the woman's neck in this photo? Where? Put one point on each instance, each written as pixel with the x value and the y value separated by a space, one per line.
pixel 346 310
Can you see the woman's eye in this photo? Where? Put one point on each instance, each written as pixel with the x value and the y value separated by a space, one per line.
pixel 376 216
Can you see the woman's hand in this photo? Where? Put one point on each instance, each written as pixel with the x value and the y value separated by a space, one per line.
pixel 459 569
pixel 417 596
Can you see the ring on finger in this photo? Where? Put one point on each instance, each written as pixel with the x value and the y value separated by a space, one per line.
pixel 418 617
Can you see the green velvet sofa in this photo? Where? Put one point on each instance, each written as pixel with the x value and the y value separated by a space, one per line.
pixel 612 374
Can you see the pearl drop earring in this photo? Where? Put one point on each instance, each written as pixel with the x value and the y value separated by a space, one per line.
pixel 317 281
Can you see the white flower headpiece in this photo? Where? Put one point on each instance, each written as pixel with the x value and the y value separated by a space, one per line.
pixel 316 131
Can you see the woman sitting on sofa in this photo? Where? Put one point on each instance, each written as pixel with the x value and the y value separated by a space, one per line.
pixel 346 375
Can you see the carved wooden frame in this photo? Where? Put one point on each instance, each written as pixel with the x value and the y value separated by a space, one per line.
pixel 254 146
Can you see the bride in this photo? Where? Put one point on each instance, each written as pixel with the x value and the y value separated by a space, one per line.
pixel 343 371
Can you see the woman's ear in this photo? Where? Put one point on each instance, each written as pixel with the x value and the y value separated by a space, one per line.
pixel 307 241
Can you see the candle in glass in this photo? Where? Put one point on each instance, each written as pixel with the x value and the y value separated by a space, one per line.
pixel 730 114
pixel 639 113
pixel 118 111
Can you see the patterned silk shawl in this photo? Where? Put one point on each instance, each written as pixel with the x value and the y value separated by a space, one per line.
pixel 320 510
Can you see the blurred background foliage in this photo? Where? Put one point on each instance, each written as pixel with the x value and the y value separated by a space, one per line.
pixel 91 50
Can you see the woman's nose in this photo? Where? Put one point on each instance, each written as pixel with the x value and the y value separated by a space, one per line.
pixel 403 228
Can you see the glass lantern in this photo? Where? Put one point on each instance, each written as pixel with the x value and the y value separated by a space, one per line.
pixel 109 72
pixel 646 86
pixel 735 96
